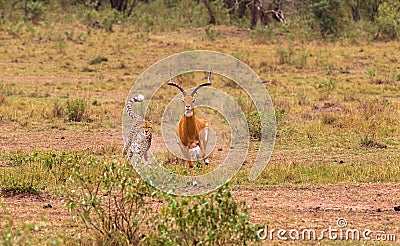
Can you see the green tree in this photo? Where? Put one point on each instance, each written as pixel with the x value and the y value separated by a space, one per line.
pixel 330 16
pixel 388 20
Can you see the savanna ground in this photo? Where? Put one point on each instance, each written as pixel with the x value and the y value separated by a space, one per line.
pixel 337 108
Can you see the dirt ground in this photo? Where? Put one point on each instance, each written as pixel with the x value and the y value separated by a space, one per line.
pixel 363 207
pixel 57 140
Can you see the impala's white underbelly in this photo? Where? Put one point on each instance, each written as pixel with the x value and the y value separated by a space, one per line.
pixel 195 153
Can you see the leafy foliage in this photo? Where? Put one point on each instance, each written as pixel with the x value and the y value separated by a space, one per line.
pixel 122 209
pixel 75 110
pixel 114 204
pixel 215 219
pixel 329 16
pixel 332 19
pixel 388 20
pixel 34 11
pixel 9 235
pixel 98 60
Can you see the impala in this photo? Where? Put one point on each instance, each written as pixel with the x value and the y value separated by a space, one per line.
pixel 191 132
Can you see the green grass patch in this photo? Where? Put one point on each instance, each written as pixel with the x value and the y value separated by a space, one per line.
pixel 98 60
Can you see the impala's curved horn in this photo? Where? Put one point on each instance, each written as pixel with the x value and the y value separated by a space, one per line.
pixel 175 84
pixel 204 84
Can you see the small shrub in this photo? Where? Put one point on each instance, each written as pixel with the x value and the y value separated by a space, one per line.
pixel 211 34
pixel 58 110
pixel 253 117
pixel 254 123
pixel 75 110
pixel 34 11
pixel 59 44
pixel 371 74
pixel 330 16
pixel 90 18
pixel 301 62
pixel 368 141
pixel 328 119
pixel 10 235
pixel 279 114
pixel 2 97
pixel 109 19
pixel 98 60
pixel 113 205
pixel 388 21
pixel 3 92
pixel 262 35
pixel 285 56
pixel 326 88
pixel 214 219
pixel 89 70
pixel 21 188
pixel 122 209
pixel 19 182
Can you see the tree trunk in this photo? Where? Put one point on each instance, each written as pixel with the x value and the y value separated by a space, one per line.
pixel 356 11
pixel 264 19
pixel 210 11
pixel 254 15
pixel 242 9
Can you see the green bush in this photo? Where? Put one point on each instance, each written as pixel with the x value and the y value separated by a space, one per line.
pixel 121 209
pixel 75 110
pixel 262 35
pixel 253 116
pixel 254 123
pixel 113 205
pixel 285 56
pixel 109 18
pixel 308 20
pixel 388 21
pixel 18 182
pixel 2 97
pixel 9 235
pixel 35 11
pixel 330 16
pixel 57 110
pixel 215 219
pixel 90 17
pixel 98 60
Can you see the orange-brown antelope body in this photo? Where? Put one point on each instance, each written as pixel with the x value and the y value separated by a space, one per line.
pixel 191 131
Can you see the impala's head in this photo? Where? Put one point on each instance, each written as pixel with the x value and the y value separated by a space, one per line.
pixel 189 99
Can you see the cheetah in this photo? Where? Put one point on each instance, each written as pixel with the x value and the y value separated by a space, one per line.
pixel 140 135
